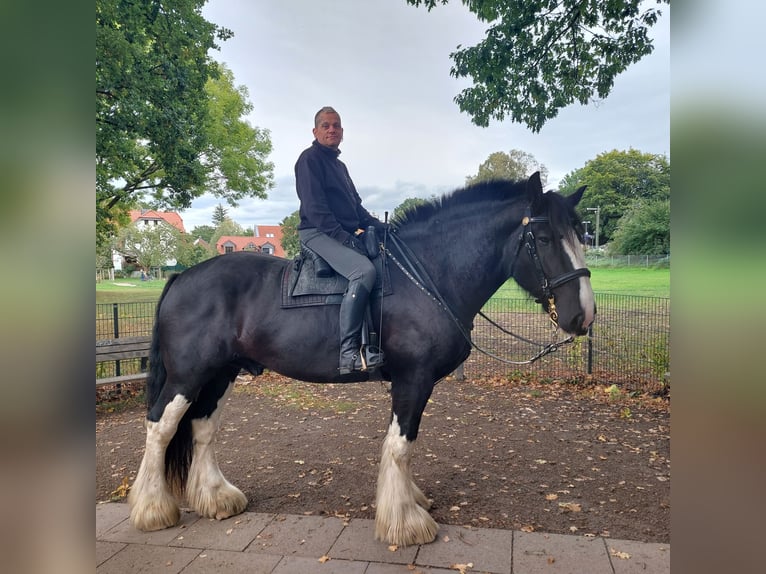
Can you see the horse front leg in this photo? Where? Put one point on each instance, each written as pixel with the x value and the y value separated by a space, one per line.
pixel 401 515
pixel 152 504
pixel 207 490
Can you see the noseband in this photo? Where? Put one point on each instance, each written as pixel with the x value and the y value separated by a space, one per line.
pixel 527 238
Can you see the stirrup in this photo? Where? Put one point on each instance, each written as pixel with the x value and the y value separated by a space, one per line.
pixel 372 357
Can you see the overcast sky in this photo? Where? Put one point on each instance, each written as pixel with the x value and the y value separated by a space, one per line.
pixel 384 65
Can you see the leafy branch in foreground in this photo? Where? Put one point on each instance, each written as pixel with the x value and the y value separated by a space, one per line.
pixel 539 56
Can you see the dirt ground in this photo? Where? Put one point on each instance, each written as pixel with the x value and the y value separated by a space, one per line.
pixel 555 457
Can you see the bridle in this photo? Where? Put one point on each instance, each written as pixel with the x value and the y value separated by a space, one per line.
pixel 527 239
pixel 414 271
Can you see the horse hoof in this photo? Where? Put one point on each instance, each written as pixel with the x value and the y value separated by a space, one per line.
pixel 224 502
pixel 155 516
pixel 416 527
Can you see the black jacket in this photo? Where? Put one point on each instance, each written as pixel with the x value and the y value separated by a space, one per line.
pixel 329 200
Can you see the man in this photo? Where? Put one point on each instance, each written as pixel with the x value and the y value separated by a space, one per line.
pixel 331 216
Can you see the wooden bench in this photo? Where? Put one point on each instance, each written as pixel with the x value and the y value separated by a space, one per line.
pixel 120 349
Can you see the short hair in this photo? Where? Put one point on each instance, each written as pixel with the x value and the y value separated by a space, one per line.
pixel 324 110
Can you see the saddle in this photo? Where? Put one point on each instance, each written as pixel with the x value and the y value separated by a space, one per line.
pixel 310 281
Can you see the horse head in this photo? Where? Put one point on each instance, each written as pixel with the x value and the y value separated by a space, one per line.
pixel 551 263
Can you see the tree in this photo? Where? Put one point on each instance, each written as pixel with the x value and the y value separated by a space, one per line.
pixel 220 214
pixel 539 56
pixel 644 229
pixel 189 252
pixel 227 227
pixel 615 180
pixel 290 240
pixel 405 206
pixel 515 164
pixel 152 246
pixel 167 116
pixel 202 232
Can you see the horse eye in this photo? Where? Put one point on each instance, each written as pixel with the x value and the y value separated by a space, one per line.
pixel 544 240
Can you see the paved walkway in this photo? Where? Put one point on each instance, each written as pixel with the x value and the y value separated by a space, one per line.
pixel 256 543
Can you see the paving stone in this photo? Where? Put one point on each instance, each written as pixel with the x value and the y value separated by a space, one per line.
pixel 105 550
pixel 125 532
pixel 226 562
pixel 109 515
pixel 357 542
pixel 378 568
pixel 488 550
pixel 310 536
pixel 644 558
pixel 536 553
pixel 301 565
pixel 143 559
pixel 234 533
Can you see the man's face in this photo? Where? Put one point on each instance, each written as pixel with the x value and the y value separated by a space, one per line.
pixel 329 131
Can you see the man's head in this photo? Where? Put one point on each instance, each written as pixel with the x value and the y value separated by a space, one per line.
pixel 327 127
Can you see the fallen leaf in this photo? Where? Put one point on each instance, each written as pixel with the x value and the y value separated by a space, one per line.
pixel 528 528
pixel 462 568
pixel 324 559
pixel 570 506
pixel 620 555
pixel 551 496
pixel 393 548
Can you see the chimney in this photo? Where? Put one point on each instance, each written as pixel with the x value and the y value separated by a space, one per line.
pixel 255 231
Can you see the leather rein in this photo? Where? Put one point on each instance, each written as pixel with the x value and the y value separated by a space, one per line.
pixel 414 271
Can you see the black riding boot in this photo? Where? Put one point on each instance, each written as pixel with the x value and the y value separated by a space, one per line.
pixel 352 311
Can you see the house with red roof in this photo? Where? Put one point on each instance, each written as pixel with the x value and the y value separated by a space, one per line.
pixel 146 219
pixel 150 217
pixel 265 238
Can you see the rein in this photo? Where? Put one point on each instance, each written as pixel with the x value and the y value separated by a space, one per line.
pixel 414 271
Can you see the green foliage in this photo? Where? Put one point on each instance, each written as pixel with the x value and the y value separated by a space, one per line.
pixel 615 181
pixel 644 230
pixel 235 158
pixel 540 56
pixel 290 239
pixel 515 164
pixel 227 227
pixel 203 232
pixel 151 245
pixel 188 253
pixel 220 214
pixel 405 206
pixel 167 116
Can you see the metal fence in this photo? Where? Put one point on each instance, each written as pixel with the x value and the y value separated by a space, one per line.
pixel 629 343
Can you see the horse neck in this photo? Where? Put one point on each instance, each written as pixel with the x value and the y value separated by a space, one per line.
pixel 469 256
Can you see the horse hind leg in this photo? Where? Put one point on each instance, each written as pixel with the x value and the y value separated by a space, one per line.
pixel 152 504
pixel 401 515
pixel 207 490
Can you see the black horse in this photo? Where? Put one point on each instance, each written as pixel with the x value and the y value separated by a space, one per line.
pixel 224 315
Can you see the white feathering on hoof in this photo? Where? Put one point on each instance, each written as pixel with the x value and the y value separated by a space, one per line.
pixel 401 517
pixel 152 505
pixel 207 490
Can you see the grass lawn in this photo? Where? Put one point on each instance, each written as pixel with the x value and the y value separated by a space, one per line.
pixel 644 281
pixel 128 290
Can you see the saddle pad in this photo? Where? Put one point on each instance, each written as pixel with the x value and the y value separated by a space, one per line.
pixel 302 288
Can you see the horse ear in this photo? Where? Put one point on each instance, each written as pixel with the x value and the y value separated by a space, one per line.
pixel 575 198
pixel 534 188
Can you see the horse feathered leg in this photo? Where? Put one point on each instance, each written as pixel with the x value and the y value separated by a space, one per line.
pixel 401 517
pixel 207 490
pixel 152 504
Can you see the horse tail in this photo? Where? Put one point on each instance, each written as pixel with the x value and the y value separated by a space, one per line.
pixel 155 379
pixel 178 454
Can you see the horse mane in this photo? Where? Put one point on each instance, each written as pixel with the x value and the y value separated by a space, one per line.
pixel 563 217
pixel 499 190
